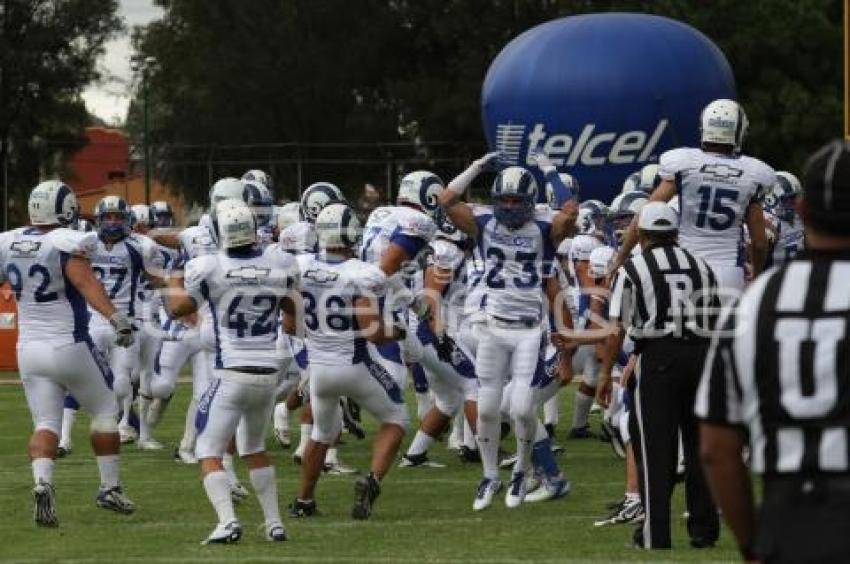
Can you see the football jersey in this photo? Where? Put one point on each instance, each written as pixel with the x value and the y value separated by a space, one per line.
pixel 197 241
pixel 402 225
pixel 714 193
pixel 450 258
pixel 516 261
pixel 299 238
pixel 265 236
pixel 121 268
pixel 329 289
pixel 243 293
pixel 788 240
pixel 33 262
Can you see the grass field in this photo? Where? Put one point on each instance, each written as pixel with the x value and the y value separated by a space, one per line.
pixel 423 515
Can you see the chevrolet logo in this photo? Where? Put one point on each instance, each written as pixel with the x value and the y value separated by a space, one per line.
pixel 26 247
pixel 248 273
pixel 722 171
pixel 321 276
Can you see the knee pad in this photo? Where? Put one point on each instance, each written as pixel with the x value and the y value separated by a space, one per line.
pixel 104 424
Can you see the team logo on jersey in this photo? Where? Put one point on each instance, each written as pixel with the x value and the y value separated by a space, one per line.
pixel 722 170
pixel 320 276
pixel 248 273
pixel 25 248
pixel 510 240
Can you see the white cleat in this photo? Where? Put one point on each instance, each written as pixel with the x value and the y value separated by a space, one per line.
pixel 128 434
pixel 275 532
pixel 549 489
pixel 185 456
pixel 516 490
pixel 149 444
pixel 487 490
pixel 225 534
pixel 238 492
pixel 338 469
pixel 508 462
pixel 283 438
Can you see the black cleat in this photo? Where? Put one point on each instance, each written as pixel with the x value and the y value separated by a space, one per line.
pixel 300 508
pixel 62 452
pixel 366 491
pixel 44 505
pixel 581 433
pixel 467 454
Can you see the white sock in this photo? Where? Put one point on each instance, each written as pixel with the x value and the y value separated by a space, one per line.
pixel 217 486
pixel 581 409
pixel 190 433
pixel 306 430
pixel 263 480
pixel 42 470
pixel 126 403
pixel 144 428
pixel 525 432
pixel 332 456
pixel 550 411
pixel 423 404
pixel 488 444
pixel 468 436
pixel 281 416
pixel 632 497
pixel 108 466
pixel 457 436
pixel 68 416
pixel 227 462
pixel 421 443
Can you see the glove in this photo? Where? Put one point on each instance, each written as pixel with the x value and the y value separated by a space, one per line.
pixel 491 162
pixel 123 329
pixel 543 163
pixel 421 307
pixel 445 345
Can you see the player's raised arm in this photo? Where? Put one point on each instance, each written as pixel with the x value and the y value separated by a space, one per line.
pixel 461 215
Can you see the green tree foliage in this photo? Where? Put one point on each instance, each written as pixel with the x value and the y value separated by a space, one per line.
pixel 48 51
pixel 234 72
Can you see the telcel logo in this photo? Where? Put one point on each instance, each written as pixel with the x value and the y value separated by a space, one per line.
pixel 588 149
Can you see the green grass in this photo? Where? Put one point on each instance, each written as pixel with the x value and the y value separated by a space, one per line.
pixel 423 515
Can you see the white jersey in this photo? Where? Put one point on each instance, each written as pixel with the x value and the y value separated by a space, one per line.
pixel 329 289
pixel 516 261
pixel 265 236
pixel 714 193
pixel 121 268
pixel 450 258
pixel 299 238
pixel 33 262
pixel 243 293
pixel 404 226
pixel 788 239
pixel 197 241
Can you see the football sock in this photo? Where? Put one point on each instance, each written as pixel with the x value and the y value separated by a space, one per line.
pixel 263 481
pixel 581 409
pixel 217 486
pixel 108 467
pixel 421 443
pixel 331 456
pixel 227 462
pixel 190 432
pixel 144 428
pixel 42 470
pixel 306 430
pixel 68 417
pixel 423 404
pixel 281 416
pixel 488 443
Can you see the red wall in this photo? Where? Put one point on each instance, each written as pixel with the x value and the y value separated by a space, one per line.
pixel 107 151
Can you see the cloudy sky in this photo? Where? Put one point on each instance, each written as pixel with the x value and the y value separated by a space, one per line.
pixel 110 97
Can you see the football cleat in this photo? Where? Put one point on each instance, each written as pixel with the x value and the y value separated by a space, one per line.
pixel 595 408
pixel 225 534
pixel 617 443
pixel 238 492
pixel 467 454
pixel 128 434
pixel 549 489
pixel 629 511
pixel 300 508
pixel 418 461
pixel 275 532
pixel 508 462
pixel 283 438
pixel 487 489
pixel 581 433
pixel 337 469
pixel 63 451
pixel 115 500
pixel 156 409
pixel 516 490
pixel 366 491
pixel 556 448
pixel 44 505
pixel 150 444
pixel 184 456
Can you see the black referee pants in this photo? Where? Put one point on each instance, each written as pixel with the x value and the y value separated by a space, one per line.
pixel 668 372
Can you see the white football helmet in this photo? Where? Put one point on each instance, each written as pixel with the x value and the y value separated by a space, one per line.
pixel 53 203
pixel 421 189
pixel 141 214
pixel 316 197
pixel 286 215
pixel 338 227
pixel 569 181
pixel 226 189
pixel 723 122
pixel 259 199
pixel 257 175
pixel 162 213
pixel 646 180
pixel 601 261
pixel 234 224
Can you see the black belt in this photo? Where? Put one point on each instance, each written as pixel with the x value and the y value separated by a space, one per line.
pixel 812 485
pixel 253 369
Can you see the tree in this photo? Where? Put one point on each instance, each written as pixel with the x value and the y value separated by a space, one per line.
pixel 48 51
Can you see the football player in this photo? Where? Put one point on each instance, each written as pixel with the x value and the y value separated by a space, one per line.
pixel 340 315
pixel 783 221
pixel 48 269
pixel 248 288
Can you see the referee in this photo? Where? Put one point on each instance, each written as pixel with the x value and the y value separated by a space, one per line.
pixel 778 375
pixel 665 298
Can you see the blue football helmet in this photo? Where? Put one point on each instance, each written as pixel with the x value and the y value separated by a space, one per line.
pixel 513 195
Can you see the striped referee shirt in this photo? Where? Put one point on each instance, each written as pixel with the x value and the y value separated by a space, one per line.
pixel 780 367
pixel 664 291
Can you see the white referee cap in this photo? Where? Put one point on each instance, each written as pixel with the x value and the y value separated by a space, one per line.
pixel 659 217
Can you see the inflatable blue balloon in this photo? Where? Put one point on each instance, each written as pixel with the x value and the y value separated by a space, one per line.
pixel 602 95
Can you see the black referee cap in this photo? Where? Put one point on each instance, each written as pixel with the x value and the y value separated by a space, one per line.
pixel 826 186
